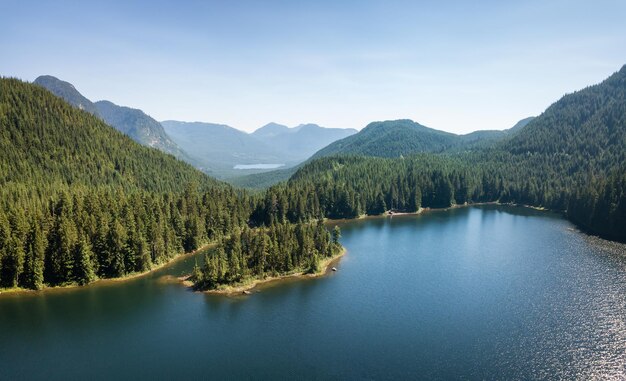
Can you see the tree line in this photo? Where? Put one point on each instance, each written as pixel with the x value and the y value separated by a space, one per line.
pixel 349 186
pixel 80 201
pixel 80 237
pixel 279 249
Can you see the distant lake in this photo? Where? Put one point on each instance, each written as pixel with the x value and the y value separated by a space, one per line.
pixel 258 166
pixel 489 292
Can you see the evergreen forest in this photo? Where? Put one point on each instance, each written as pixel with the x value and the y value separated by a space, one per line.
pixel 80 201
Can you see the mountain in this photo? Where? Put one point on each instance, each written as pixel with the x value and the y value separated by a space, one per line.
pixel 80 200
pixel 139 126
pixel 302 141
pixel 134 123
pixel 62 145
pixel 219 148
pixel 66 91
pixel 392 138
pixel 584 123
pixel 474 141
pixel 271 130
pixel 264 180
pixel 521 124
pixel 571 159
pixel 488 138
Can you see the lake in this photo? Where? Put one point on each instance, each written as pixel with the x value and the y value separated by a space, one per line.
pixel 487 292
pixel 258 166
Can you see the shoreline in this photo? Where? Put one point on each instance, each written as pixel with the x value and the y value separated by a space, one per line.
pixel 239 289
pixel 104 281
pixel 389 214
pixel 249 284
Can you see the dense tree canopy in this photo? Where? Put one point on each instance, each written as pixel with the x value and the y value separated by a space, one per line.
pixel 80 201
pixel 571 159
pixel 279 249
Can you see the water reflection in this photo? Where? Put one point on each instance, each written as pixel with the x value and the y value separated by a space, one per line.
pixel 486 292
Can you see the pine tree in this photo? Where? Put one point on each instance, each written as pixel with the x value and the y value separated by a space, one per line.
pixel 83 265
pixel 35 251
pixel 336 235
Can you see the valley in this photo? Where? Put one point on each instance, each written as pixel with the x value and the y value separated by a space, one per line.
pixel 313 190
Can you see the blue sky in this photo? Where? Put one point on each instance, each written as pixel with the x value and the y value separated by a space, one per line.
pixel 458 66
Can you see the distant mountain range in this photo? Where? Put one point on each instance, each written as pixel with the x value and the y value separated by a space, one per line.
pixel 392 138
pixel 302 141
pixel 214 148
pixel 219 148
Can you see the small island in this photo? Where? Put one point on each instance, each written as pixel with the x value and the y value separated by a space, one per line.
pixel 253 256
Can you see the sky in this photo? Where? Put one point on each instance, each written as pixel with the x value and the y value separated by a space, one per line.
pixel 457 66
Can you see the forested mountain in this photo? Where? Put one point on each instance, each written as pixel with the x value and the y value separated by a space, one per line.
pixel 474 141
pixel 391 138
pixel 259 181
pixel 521 124
pixel 134 123
pixel 395 138
pixel 66 91
pixel 79 199
pixel 571 158
pixel 302 141
pixel 47 143
pixel 483 139
pixel 589 124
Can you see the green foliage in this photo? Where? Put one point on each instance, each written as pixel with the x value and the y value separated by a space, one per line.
pixel 571 159
pixel 134 123
pixel 391 139
pixel 279 249
pixel 79 200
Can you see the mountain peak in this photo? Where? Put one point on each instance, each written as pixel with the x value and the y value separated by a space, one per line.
pixel 521 124
pixel 50 79
pixel 391 138
pixel 132 122
pixel 67 91
pixel 271 129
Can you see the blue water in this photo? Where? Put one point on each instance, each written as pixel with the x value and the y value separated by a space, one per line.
pixel 472 293
pixel 258 166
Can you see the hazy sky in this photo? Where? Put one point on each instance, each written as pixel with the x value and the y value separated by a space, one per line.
pixel 456 66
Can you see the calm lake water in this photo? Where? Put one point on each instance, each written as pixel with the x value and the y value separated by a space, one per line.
pixel 258 166
pixel 474 293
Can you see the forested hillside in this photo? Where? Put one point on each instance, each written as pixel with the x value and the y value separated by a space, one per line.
pixel 133 122
pixel 395 138
pixel 391 138
pixel 571 158
pixel 80 200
